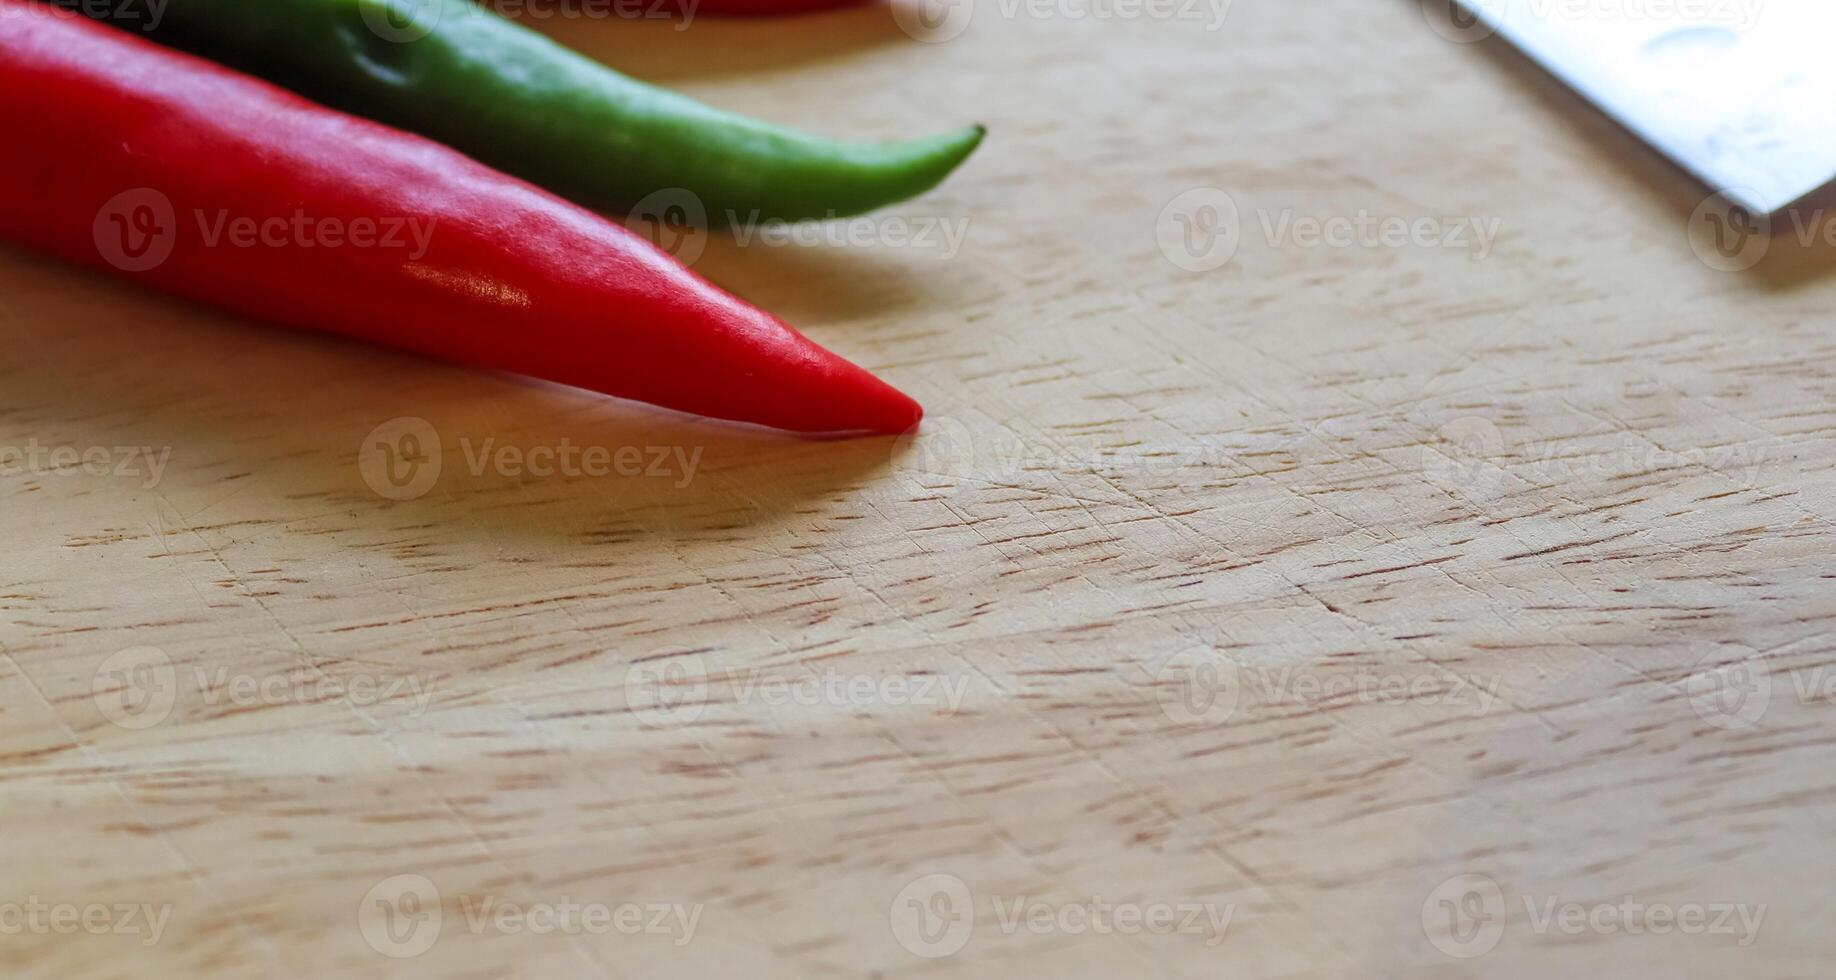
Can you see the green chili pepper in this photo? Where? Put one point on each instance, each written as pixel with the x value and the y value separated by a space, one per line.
pixel 512 98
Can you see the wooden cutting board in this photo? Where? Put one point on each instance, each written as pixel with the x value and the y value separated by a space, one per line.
pixel 1282 586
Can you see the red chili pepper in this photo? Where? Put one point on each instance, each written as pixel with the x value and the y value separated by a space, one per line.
pixel 211 185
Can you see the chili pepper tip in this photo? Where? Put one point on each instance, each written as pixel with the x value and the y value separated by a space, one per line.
pixel 882 409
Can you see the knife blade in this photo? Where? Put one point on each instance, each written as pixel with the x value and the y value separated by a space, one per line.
pixel 1741 93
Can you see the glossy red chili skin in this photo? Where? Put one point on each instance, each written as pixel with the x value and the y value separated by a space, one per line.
pixel 511 277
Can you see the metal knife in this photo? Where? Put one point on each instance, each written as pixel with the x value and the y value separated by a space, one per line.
pixel 1742 93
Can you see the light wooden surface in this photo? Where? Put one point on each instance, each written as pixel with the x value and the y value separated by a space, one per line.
pixel 1298 590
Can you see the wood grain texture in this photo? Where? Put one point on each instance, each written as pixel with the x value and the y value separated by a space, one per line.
pixel 1299 590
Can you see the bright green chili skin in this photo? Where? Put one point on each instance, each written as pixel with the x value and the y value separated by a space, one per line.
pixel 511 97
